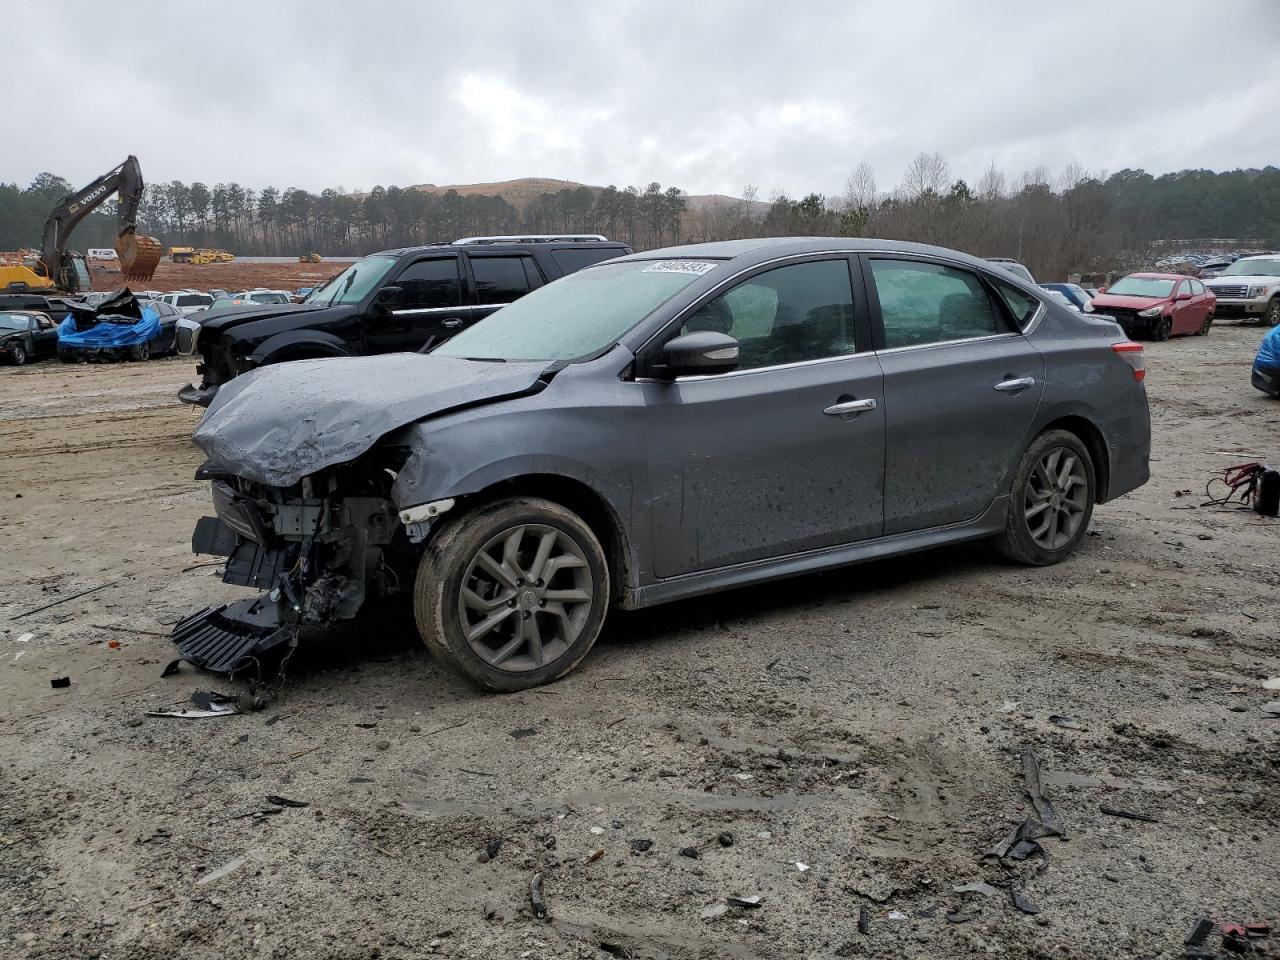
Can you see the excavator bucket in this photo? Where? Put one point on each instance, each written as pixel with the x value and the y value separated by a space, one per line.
pixel 139 256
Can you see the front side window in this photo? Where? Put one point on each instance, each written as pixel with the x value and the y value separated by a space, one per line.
pixel 928 303
pixel 500 280
pixel 578 315
pixel 785 315
pixel 430 283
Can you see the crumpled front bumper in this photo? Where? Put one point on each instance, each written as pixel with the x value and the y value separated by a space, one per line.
pixel 200 396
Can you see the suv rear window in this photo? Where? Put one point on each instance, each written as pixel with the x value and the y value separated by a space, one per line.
pixel 194 300
pixel 570 260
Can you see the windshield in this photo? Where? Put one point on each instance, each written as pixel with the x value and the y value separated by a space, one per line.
pixel 14 321
pixel 1141 287
pixel 353 283
pixel 1252 268
pixel 578 315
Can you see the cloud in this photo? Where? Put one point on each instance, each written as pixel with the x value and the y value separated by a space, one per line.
pixel 707 96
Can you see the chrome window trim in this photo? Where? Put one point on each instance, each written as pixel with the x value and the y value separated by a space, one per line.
pixel 743 373
pixel 946 343
pixel 419 311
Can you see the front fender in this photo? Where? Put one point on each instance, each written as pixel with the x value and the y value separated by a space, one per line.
pixel 321 343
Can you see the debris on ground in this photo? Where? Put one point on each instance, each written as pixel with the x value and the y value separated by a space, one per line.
pixel 522 733
pixel 279 801
pixel 59 683
pixel 1272 709
pixel 616 950
pixel 593 856
pixel 490 850
pixel 1195 940
pixel 206 703
pixel 25 638
pixel 640 846
pixel 864 920
pixel 690 852
pixel 977 886
pixel 1126 814
pixel 725 839
pixel 536 900
pixel 1066 723
pixel 744 903
pixel 171 668
pixel 1022 902
pixel 897 915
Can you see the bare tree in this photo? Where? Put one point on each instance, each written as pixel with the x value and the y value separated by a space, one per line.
pixel 860 190
pixel 991 186
pixel 927 173
pixel 748 198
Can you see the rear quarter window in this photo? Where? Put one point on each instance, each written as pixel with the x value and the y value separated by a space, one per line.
pixel 1022 306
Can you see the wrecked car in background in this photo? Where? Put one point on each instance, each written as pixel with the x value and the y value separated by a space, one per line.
pixel 665 425
pixel 121 327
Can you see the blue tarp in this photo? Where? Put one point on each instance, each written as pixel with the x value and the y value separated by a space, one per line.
pixel 105 334
pixel 1269 351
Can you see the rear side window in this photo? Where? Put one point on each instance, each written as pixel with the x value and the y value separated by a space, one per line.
pixel 194 300
pixel 928 303
pixel 499 280
pixel 570 260
pixel 430 283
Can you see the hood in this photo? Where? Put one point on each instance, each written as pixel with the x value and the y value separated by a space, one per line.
pixel 224 317
pixel 1109 301
pixel 282 422
pixel 1250 279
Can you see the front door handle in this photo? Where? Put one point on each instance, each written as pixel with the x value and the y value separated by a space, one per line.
pixel 453 323
pixel 1016 385
pixel 849 407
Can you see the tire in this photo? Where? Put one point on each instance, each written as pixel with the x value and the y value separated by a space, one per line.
pixel 18 354
pixel 1028 540
pixel 1161 328
pixel 498 658
pixel 141 351
pixel 1204 327
pixel 1272 317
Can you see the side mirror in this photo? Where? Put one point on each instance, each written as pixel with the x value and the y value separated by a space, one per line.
pixel 390 297
pixel 698 353
pixel 1184 295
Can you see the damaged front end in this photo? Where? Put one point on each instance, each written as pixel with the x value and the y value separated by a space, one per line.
pixel 319 550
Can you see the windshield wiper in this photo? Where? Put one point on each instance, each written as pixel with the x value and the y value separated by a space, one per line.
pixel 486 359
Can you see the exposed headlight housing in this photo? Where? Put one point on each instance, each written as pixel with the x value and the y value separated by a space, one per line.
pixel 1152 311
pixel 1259 291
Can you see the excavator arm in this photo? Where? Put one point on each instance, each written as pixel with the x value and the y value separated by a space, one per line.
pixel 138 255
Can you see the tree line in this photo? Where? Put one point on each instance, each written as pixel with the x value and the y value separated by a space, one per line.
pixel 1072 221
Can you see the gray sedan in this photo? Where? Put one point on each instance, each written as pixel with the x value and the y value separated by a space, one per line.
pixel 663 425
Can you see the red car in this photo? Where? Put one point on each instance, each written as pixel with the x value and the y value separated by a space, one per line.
pixel 1157 305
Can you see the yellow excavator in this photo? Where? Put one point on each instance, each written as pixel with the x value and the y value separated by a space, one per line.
pixel 58 269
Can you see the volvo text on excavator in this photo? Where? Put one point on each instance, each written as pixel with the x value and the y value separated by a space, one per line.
pixel 60 269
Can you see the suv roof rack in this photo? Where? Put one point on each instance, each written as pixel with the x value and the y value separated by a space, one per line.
pixel 535 238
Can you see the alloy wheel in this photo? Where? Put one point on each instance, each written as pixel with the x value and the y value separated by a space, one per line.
pixel 1273 313
pixel 525 597
pixel 1056 498
pixel 19 354
pixel 1163 327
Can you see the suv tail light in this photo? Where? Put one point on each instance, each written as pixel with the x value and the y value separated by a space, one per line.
pixel 1131 353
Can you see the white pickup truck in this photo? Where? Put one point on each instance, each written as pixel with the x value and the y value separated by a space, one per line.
pixel 1249 289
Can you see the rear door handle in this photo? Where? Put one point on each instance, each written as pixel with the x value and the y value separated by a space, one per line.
pixel 851 406
pixel 453 323
pixel 1016 385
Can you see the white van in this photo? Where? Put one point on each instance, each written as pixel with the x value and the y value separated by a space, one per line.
pixel 101 253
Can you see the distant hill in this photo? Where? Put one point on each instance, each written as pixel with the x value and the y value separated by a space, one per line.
pixel 520 193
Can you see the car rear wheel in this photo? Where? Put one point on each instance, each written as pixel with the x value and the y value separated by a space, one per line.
pixel 513 594
pixel 1161 329
pixel 18 353
pixel 1051 500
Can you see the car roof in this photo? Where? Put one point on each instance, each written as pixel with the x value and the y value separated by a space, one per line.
pixel 1160 276
pixel 746 253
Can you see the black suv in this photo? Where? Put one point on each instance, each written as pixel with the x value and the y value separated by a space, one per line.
pixel 394 301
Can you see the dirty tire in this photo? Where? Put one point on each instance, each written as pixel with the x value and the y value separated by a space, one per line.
pixel 1019 542
pixel 451 561
pixel 18 354
pixel 1272 317
pixel 141 351
pixel 1161 329
pixel 1204 327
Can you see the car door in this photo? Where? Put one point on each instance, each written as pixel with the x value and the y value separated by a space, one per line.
pixel 1203 302
pixel 497 280
pixel 961 387
pixel 783 454
pixel 1184 309
pixel 44 336
pixel 430 309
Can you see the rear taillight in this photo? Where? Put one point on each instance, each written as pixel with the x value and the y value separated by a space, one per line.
pixel 1131 353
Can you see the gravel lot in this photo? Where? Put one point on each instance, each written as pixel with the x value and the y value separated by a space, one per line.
pixel 865 724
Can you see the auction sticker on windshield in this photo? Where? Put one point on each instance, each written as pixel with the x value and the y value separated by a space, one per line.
pixel 695 267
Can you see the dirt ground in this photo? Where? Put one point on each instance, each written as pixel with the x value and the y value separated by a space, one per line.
pixel 855 737
pixel 232 277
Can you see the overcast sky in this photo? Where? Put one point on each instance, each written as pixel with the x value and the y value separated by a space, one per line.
pixel 704 95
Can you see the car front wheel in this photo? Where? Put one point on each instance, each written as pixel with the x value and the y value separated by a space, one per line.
pixel 141 351
pixel 1272 316
pixel 1161 329
pixel 512 594
pixel 1051 500
pixel 18 353
pixel 1204 327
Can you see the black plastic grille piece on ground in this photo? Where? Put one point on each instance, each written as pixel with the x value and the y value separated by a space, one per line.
pixel 224 639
